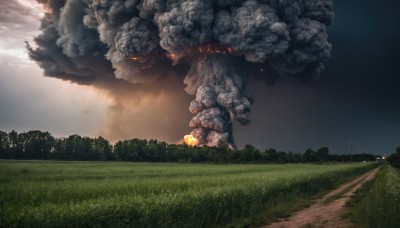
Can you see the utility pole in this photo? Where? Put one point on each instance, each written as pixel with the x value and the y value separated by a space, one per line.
pixel 351 148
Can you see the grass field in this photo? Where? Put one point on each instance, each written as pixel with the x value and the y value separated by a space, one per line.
pixel 49 194
pixel 377 203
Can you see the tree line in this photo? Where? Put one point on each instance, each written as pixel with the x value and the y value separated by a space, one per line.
pixel 40 145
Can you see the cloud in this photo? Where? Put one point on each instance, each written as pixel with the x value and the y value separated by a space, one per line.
pixel 19 13
pixel 96 42
pixel 19 21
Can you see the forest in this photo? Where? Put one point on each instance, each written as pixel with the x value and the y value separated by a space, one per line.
pixel 39 145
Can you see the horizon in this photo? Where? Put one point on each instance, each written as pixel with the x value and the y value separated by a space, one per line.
pixel 186 144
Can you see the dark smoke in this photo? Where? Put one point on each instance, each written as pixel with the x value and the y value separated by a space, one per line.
pixel 87 41
pixel 220 97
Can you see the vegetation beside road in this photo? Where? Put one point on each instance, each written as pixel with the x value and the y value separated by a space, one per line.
pixel 377 203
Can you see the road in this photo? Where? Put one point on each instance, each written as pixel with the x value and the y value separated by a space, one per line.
pixel 327 212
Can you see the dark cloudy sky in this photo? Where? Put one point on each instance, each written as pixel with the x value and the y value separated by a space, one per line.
pixel 355 100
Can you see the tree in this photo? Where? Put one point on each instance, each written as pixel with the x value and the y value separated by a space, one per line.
pixel 59 150
pixel 282 157
pixel 309 156
pixel 36 144
pixel 394 159
pixel 293 158
pixel 245 153
pixel 4 145
pixel 79 148
pixel 16 149
pixel 102 150
pixel 270 155
pixel 119 151
pixel 322 154
pixel 249 153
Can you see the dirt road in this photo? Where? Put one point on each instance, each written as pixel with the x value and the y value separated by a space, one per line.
pixel 326 212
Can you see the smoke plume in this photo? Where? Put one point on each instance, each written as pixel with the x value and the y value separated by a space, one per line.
pixel 140 41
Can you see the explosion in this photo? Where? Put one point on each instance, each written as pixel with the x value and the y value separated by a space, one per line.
pixel 140 38
pixel 190 140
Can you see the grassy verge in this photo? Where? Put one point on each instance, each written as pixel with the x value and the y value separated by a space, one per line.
pixel 95 194
pixel 377 203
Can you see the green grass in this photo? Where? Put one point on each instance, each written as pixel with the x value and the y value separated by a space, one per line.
pixel 65 194
pixel 377 203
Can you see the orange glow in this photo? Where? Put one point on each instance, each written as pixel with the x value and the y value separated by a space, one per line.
pixel 135 58
pixel 214 49
pixel 190 140
pixel 202 52
pixel 209 49
pixel 171 56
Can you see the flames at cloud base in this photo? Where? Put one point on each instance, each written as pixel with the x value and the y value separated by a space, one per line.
pixel 190 140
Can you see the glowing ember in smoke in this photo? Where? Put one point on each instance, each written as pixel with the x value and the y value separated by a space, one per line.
pixel 209 49
pixel 135 58
pixel 214 49
pixel 202 52
pixel 190 140
pixel 171 56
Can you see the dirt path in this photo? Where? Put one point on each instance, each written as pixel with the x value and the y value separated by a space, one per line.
pixel 326 212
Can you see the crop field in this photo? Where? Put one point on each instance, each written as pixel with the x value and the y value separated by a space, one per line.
pixel 65 194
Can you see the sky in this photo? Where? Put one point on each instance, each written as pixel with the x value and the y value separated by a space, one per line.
pixel 27 99
pixel 355 100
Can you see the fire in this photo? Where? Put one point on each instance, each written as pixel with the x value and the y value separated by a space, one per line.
pixel 202 52
pixel 171 56
pixel 190 140
pixel 209 49
pixel 135 58
pixel 213 49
